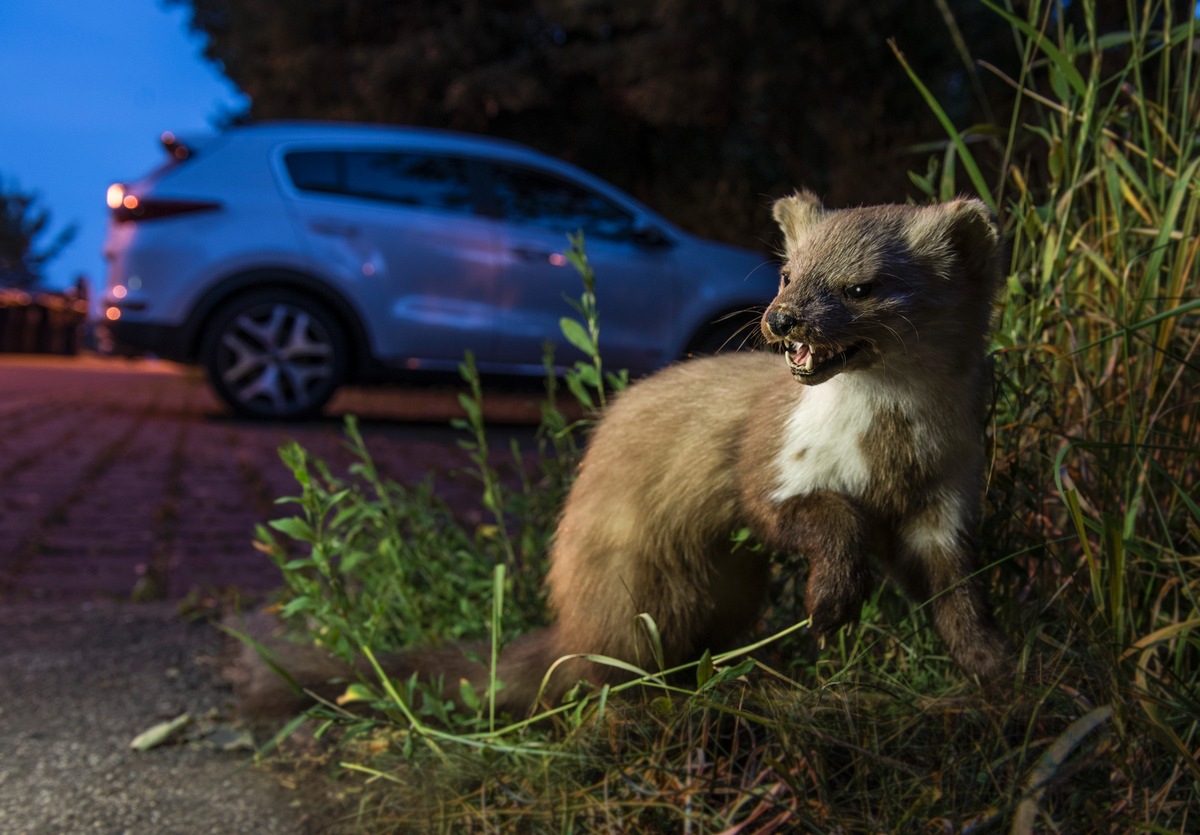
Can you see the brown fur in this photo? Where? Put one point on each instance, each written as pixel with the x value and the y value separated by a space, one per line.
pixel 878 450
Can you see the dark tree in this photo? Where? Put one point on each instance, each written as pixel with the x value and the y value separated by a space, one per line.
pixel 704 108
pixel 22 224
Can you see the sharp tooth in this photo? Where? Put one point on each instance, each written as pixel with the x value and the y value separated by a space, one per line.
pixel 808 363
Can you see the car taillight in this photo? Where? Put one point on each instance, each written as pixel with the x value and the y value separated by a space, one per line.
pixel 132 208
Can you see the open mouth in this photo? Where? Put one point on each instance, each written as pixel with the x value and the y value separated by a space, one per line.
pixel 809 360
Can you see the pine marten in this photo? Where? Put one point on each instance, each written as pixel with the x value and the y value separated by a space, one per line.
pixel 863 437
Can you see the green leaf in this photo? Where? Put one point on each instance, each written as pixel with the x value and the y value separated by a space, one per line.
pixel 587 374
pixel 294 527
pixel 617 381
pixel 357 693
pixel 577 336
pixel 351 560
pixel 470 406
pixel 948 190
pixel 923 183
pixel 468 696
pixel 1059 83
pixel 704 670
pixel 296 604
pixel 581 394
pixel 1056 158
pixel 736 671
pixel 663 706
pixel 339 496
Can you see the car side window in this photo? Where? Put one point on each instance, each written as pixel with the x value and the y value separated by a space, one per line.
pixel 410 179
pixel 315 170
pixel 534 198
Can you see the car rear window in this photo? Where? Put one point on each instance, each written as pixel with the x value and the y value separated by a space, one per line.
pixel 410 179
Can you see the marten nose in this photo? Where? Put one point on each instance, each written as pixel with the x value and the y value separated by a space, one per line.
pixel 780 323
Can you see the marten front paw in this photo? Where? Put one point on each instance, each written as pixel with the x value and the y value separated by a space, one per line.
pixel 835 598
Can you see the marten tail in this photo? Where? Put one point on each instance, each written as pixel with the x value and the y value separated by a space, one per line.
pixel 274 676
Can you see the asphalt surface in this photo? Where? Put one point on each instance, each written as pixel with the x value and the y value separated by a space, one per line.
pixel 79 682
pixel 125 490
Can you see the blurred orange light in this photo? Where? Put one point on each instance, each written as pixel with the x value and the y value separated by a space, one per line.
pixel 558 259
pixel 130 202
pixel 118 292
pixel 114 196
pixel 113 314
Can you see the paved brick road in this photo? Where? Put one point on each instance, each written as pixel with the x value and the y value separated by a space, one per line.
pixel 110 469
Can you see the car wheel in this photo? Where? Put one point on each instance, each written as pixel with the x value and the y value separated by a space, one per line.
pixel 275 354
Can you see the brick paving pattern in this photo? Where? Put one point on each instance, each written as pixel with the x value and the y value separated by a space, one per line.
pixel 114 472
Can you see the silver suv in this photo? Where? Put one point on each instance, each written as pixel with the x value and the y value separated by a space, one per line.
pixel 289 258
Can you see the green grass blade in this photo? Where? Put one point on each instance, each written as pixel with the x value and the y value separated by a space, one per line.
pixel 978 181
pixel 1062 62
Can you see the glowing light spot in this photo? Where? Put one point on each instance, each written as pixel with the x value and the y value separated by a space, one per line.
pixel 368 268
pixel 130 202
pixel 558 259
pixel 119 291
pixel 114 196
pixel 113 314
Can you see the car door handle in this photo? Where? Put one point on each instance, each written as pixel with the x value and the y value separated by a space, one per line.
pixel 531 254
pixel 333 228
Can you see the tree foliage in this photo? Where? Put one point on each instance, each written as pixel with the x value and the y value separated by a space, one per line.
pixel 22 224
pixel 704 108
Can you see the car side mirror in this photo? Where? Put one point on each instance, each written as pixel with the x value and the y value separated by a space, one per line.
pixel 651 236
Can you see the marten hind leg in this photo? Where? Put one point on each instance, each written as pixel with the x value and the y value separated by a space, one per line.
pixel 830 531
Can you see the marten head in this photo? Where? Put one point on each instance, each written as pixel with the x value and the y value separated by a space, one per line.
pixel 882 285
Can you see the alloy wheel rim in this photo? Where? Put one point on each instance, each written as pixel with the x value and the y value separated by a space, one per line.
pixel 277 355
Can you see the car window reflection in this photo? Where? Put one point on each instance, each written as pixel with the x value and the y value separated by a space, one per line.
pixel 420 180
pixel 533 198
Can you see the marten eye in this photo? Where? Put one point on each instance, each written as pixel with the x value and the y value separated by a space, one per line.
pixel 785 277
pixel 858 291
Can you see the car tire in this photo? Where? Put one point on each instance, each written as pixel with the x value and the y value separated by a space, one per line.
pixel 275 354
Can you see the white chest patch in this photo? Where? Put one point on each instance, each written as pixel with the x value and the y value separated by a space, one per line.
pixel 820 449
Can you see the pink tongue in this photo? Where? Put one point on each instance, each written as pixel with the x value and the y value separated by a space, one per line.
pixel 800 355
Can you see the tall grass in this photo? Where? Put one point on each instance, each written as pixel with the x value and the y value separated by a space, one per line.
pixel 1092 527
pixel 1095 430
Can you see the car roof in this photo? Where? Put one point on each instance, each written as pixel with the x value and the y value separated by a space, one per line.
pixel 286 131
pixel 269 135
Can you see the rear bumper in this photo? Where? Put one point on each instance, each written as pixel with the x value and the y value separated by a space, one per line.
pixel 133 338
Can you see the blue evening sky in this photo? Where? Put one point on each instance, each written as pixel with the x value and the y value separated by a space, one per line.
pixel 86 88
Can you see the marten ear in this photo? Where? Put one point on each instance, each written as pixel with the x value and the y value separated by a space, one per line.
pixel 797 214
pixel 963 229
